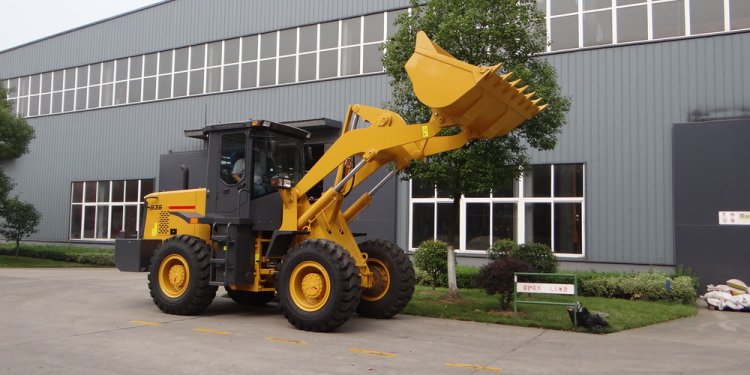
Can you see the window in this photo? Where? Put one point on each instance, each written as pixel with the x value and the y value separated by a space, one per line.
pixel 603 22
pixel 232 160
pixel 274 154
pixel 545 205
pixel 102 210
pixel 328 50
pixel 739 11
pixel 669 19
pixel 706 16
pixel 632 24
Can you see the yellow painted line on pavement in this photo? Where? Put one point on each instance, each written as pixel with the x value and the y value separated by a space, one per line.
pixel 145 323
pixel 475 367
pixel 206 330
pixel 278 339
pixel 372 352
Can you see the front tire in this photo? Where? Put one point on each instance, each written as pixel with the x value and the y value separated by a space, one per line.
pixel 394 280
pixel 319 286
pixel 179 275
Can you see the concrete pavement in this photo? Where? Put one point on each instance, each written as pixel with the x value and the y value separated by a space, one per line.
pixel 101 321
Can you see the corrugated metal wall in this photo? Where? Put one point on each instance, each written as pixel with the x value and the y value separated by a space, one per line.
pixel 178 23
pixel 625 102
pixel 125 142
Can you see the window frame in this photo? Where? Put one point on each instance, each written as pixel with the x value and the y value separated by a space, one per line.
pixel 521 202
pixel 96 204
pixel 78 97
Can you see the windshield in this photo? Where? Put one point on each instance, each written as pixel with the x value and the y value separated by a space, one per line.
pixel 275 155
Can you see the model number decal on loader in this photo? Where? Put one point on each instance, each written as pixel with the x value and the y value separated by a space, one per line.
pixel 156 207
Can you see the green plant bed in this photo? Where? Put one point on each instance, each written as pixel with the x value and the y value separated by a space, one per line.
pixel 9 261
pixel 475 305
pixel 85 255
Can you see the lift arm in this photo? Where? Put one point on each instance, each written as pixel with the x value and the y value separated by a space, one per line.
pixel 478 101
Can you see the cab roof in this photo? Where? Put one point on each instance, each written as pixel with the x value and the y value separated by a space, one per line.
pixel 204 132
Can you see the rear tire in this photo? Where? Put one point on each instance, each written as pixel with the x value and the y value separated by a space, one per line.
pixel 179 275
pixel 319 286
pixel 394 280
pixel 250 298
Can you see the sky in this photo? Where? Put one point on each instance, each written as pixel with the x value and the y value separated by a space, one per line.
pixel 28 20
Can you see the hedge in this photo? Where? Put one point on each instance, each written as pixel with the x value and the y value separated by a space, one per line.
pixel 96 257
pixel 648 286
pixel 465 276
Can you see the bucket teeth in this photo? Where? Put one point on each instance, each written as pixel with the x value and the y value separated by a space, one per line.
pixel 476 98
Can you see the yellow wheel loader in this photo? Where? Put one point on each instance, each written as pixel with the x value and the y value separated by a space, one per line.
pixel 253 230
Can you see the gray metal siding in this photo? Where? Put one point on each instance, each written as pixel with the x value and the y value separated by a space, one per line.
pixel 178 23
pixel 125 142
pixel 625 102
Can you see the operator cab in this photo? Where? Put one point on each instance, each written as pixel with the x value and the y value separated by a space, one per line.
pixel 247 162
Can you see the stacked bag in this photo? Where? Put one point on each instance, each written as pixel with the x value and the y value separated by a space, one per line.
pixel 735 295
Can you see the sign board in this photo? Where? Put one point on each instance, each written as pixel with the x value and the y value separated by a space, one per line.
pixel 734 217
pixel 545 288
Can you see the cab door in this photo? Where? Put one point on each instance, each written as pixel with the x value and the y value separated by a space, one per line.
pixel 230 170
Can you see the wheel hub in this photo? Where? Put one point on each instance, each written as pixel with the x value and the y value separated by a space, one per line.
pixel 174 276
pixel 177 276
pixel 312 285
pixel 309 286
pixel 381 281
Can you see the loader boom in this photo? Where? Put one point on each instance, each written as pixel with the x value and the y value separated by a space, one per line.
pixel 481 103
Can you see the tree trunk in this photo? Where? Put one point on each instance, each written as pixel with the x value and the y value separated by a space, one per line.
pixel 454 222
pixel 18 247
pixel 452 285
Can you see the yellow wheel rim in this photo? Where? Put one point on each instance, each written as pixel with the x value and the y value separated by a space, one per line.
pixel 174 275
pixel 382 281
pixel 309 286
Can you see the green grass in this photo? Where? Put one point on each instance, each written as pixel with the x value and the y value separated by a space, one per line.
pixel 63 249
pixel 9 261
pixel 475 305
pixel 102 257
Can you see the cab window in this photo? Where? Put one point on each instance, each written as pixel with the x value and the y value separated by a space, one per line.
pixel 232 160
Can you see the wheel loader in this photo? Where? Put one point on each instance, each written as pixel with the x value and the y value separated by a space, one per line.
pixel 253 230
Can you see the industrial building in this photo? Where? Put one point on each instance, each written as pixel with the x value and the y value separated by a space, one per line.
pixel 652 156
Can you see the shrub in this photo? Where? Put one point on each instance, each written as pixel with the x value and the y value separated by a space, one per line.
pixel 501 249
pixel 466 277
pixel 432 258
pixel 686 271
pixel 96 257
pixel 649 286
pixel 540 256
pixel 497 278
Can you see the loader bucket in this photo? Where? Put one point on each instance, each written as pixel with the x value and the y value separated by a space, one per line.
pixel 473 97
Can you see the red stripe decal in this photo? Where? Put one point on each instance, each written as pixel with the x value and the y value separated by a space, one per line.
pixel 181 207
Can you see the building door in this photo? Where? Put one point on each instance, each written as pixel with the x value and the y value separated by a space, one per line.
pixel 711 172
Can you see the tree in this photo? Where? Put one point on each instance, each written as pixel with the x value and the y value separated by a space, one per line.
pixel 480 32
pixel 15 132
pixel 15 136
pixel 20 220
